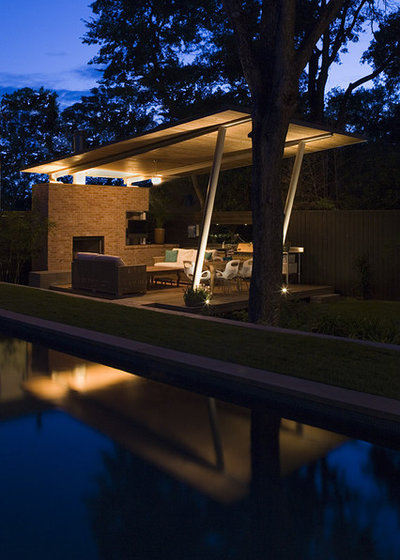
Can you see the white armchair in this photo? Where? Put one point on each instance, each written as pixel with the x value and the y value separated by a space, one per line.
pixel 226 276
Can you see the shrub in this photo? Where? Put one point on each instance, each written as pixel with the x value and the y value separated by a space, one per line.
pixel 348 321
pixel 196 297
pixel 22 234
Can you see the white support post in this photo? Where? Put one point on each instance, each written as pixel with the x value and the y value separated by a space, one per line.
pixel 79 178
pixel 292 188
pixel 209 206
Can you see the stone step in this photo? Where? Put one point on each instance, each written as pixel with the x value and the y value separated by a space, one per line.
pixel 305 291
pixel 324 298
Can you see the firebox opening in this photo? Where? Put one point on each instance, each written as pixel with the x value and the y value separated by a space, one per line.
pixel 88 244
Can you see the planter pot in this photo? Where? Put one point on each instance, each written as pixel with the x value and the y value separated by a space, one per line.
pixel 194 308
pixel 195 304
pixel 159 235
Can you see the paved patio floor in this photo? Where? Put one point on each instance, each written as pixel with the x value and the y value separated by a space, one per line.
pixel 171 297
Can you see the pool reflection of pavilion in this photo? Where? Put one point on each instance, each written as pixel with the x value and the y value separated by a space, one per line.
pixel 203 442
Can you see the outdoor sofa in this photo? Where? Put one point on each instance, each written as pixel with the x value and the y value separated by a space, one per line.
pixel 175 258
pixel 107 274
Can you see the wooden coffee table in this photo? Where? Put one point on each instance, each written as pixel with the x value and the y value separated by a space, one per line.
pixel 159 272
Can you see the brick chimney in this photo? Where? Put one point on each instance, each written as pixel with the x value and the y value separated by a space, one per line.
pixel 79 141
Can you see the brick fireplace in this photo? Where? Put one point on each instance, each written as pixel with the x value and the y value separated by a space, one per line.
pixel 87 217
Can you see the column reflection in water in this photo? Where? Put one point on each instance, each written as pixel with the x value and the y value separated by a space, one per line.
pixel 14 367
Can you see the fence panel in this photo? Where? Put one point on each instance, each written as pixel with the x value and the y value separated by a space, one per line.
pixel 353 250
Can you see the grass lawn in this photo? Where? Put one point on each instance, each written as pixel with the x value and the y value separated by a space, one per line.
pixel 351 365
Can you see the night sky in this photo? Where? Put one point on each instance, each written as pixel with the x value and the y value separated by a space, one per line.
pixel 40 45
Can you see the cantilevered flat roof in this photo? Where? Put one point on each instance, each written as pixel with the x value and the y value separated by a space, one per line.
pixel 186 148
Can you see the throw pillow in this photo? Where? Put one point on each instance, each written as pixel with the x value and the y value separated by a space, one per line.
pixel 171 256
pixel 208 255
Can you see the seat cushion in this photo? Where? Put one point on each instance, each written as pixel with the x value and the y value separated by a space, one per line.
pixel 185 255
pixel 167 265
pixel 99 257
pixel 171 256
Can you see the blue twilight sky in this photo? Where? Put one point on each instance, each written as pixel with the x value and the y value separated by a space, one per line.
pixel 40 45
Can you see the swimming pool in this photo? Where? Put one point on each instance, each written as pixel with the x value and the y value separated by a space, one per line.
pixel 97 463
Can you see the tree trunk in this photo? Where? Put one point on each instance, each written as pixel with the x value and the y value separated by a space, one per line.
pixel 312 83
pixel 272 65
pixel 268 138
pixel 318 104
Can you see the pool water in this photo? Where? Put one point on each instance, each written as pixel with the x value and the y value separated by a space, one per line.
pixel 49 467
pixel 113 466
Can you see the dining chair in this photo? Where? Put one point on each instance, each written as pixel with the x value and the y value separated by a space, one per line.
pixel 245 272
pixel 188 268
pixel 226 276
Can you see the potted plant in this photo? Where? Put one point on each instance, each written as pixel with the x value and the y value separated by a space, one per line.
pixel 161 210
pixel 159 233
pixel 197 297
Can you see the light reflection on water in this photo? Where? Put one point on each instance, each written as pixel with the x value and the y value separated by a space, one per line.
pixel 128 468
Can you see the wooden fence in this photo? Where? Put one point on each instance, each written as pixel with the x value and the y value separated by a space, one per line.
pixel 350 249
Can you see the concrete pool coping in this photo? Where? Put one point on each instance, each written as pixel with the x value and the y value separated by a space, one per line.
pixel 302 400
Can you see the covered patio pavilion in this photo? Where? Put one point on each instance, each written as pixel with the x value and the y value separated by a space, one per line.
pixel 208 144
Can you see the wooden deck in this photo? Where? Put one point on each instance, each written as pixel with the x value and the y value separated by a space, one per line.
pixel 171 297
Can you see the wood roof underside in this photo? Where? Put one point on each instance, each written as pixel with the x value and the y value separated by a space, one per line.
pixel 184 149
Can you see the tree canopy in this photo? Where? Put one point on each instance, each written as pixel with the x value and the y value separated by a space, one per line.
pixel 179 57
pixel 28 130
pixel 105 115
pixel 167 53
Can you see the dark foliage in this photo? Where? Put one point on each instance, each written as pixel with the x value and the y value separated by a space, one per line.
pixel 28 132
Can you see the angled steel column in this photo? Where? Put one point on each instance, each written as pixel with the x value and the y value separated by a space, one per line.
pixel 209 206
pixel 292 188
pixel 216 434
